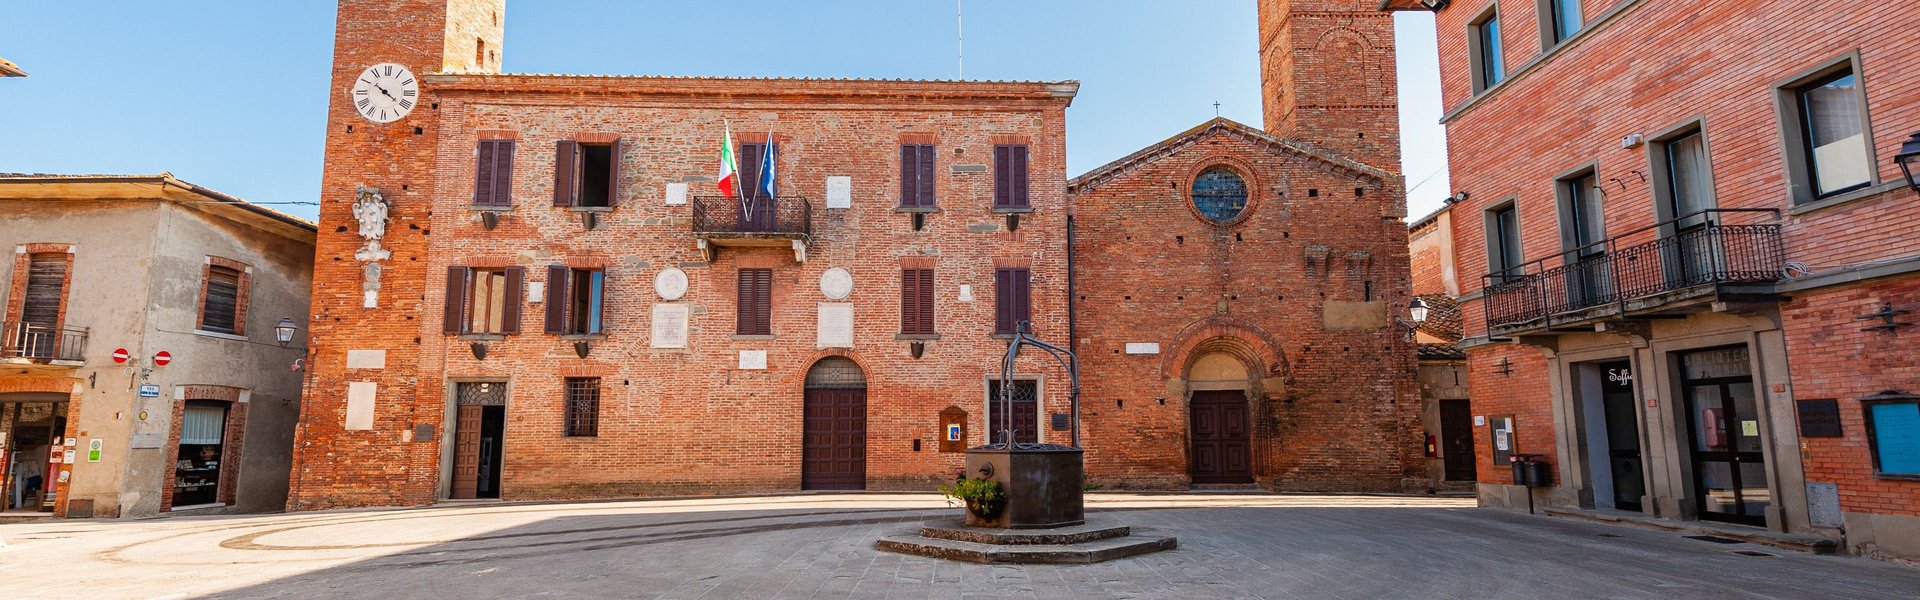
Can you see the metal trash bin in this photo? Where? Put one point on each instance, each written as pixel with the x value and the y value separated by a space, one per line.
pixel 1529 471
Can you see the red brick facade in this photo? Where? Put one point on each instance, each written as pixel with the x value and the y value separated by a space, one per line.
pixel 1606 99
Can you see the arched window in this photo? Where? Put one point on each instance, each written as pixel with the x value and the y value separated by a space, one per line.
pixel 836 372
pixel 1219 194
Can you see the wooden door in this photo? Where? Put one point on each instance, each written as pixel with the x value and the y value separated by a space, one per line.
pixel 1456 440
pixel 1026 412
pixel 834 446
pixel 1222 440
pixel 466 452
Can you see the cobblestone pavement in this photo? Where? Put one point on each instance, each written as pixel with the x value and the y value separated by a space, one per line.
pixel 821 546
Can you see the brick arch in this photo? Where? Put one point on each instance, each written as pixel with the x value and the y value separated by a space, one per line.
pixel 1251 345
pixel 1340 34
pixel 74 392
pixel 798 378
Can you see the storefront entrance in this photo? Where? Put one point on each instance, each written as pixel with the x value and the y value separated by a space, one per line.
pixel 1729 469
pixel 480 427
pixel 197 468
pixel 31 452
pixel 1617 477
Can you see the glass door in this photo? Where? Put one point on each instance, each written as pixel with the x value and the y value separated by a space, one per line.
pixel 1729 467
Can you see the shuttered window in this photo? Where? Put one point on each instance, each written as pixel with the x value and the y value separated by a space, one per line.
pixel 202 425
pixel 493 174
pixel 583 406
pixel 1010 176
pixel 219 310
pixel 575 300
pixel 755 316
pixel 484 301
pixel 916 301
pixel 1012 298
pixel 916 176
pixel 586 174
pixel 46 280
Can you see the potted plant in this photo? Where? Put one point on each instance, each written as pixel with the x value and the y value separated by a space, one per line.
pixel 984 498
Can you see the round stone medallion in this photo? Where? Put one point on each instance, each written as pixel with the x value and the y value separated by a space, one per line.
pixel 836 283
pixel 671 283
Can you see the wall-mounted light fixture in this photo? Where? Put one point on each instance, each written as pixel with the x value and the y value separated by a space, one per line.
pixel 1434 5
pixel 1909 161
pixel 1416 314
pixel 283 332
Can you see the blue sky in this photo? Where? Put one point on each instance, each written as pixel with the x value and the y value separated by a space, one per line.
pixel 231 94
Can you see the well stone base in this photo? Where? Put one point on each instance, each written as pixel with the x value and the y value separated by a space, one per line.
pixel 1095 541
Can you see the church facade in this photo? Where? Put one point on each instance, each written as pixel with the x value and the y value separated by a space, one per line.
pixel 534 286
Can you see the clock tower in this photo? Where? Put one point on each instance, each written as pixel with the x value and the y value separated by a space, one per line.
pixel 383 127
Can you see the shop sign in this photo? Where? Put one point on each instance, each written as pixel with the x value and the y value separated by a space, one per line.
pixel 93 450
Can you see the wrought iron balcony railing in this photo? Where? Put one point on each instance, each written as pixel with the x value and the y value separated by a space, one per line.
pixel 41 343
pixel 1607 276
pixel 785 216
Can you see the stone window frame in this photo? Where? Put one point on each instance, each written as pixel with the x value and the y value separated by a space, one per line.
pixel 1491 235
pixel 1564 205
pixel 1547 12
pixel 1240 168
pixel 1795 157
pixel 1477 60
pixel 1658 176
pixel 232 439
pixel 1872 439
pixel 241 299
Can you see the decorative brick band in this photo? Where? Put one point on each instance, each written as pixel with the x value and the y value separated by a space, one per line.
pixel 588 370
pixel 918 262
pixel 588 262
pixel 43 248
pixel 1013 262
pixel 208 392
pixel 759 262
pixel 596 138
pixel 1011 139
pixel 496 134
pixel 919 138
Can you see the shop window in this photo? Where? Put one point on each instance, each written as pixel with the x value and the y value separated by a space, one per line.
pixel 583 406
pixel 1893 434
pixel 196 478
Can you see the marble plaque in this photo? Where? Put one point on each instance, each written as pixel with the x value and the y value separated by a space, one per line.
pixel 536 291
pixel 753 360
pixel 836 283
pixel 835 325
pixel 669 325
pixel 671 283
pixel 676 194
pixel 1143 348
pixel 360 405
pixel 839 192
pixel 966 293
pixel 366 359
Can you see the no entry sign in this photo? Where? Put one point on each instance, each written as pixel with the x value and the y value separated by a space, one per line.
pixel 161 358
pixel 120 355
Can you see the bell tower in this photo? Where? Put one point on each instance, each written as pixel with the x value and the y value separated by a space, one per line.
pixel 1327 77
pixel 369 265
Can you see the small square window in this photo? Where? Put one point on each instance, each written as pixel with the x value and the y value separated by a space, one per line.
pixel 583 406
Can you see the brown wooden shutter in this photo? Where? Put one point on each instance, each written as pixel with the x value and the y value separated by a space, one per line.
pixel 503 173
pixel 909 176
pixel 1022 297
pixel 750 156
pixel 457 290
pixel 925 303
pixel 926 178
pixel 515 299
pixel 909 300
pixel 558 290
pixel 1017 160
pixel 1003 301
pixel 1002 175
pixel 613 173
pixel 483 173
pixel 755 304
pixel 566 173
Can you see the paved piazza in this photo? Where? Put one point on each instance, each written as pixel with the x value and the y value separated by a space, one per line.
pixel 821 546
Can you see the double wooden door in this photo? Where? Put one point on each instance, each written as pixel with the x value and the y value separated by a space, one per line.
pixel 1222 440
pixel 834 449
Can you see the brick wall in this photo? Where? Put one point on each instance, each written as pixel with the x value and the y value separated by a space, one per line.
pixel 1860 363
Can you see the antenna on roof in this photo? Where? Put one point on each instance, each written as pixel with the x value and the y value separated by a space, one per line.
pixel 960 37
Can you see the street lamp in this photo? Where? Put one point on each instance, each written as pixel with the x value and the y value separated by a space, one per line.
pixel 1909 161
pixel 283 332
pixel 1418 310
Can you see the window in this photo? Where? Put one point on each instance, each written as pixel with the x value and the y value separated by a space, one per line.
pixel 583 406
pixel 1503 241
pixel 1561 19
pixel 493 174
pixel 916 176
pixel 753 158
pixel 1484 50
pixel 584 174
pixel 916 301
pixel 1219 194
pixel 483 301
pixel 755 306
pixel 1686 185
pixel 1010 176
pixel 1829 121
pixel 220 307
pixel 38 309
pixel 576 299
pixel 1582 220
pixel 1893 434
pixel 1012 301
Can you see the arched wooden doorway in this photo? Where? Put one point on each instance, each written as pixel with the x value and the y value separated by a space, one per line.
pixel 1220 427
pixel 833 452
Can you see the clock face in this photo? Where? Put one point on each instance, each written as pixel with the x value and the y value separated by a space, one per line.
pixel 385 92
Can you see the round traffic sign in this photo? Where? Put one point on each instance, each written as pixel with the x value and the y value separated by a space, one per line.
pixel 162 358
pixel 120 355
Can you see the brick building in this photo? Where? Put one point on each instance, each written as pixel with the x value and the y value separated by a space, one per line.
pixel 530 286
pixel 1686 260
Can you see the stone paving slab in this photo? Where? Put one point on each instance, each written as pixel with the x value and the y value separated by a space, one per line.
pixel 821 546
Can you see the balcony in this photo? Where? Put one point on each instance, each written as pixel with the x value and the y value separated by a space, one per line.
pixel 1661 271
pixel 30 343
pixel 782 222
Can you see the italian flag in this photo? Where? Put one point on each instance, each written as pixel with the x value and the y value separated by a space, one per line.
pixel 728 164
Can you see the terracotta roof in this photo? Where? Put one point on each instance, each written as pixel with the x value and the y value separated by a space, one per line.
pixel 1222 126
pixel 1441 352
pixel 163 179
pixel 8 69
pixel 1426 220
pixel 1443 317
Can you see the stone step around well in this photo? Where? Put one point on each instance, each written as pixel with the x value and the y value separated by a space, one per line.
pixel 1089 552
pixel 956 529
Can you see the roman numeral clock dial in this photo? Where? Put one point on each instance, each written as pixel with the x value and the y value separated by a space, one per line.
pixel 385 92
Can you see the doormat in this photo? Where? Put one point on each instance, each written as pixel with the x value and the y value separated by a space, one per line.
pixel 1712 538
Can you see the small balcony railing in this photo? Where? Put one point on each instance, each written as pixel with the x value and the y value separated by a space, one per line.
pixel 42 343
pixel 1609 276
pixel 725 216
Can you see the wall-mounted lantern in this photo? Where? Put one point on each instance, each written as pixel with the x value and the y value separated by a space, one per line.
pixel 1909 161
pixel 283 332
pixel 1417 314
